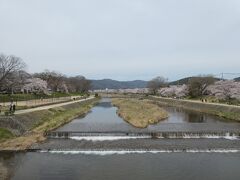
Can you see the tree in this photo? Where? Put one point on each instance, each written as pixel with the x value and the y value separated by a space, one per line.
pixel 225 90
pixel 78 84
pixel 15 81
pixel 197 86
pixel 155 84
pixel 178 91
pixel 35 85
pixel 10 66
pixel 54 80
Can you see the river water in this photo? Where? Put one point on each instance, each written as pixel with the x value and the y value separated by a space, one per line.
pixel 139 159
pixel 103 118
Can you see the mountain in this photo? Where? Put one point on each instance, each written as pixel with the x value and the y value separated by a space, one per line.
pixel 237 79
pixel 113 84
pixel 185 81
pixel 180 81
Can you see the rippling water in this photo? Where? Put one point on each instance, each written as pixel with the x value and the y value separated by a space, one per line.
pixel 167 166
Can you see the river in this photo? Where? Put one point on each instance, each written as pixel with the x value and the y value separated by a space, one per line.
pixel 125 157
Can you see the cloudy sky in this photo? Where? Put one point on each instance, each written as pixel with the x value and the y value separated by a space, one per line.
pixel 123 39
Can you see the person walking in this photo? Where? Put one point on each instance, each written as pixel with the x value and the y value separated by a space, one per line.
pixel 13 108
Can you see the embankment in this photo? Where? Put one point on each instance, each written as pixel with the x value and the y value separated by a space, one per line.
pixel 225 111
pixel 31 127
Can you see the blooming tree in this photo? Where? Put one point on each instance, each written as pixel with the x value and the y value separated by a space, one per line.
pixel 227 89
pixel 36 85
pixel 174 91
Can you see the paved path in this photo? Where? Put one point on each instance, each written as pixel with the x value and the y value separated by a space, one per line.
pixel 41 102
pixel 198 101
pixel 50 106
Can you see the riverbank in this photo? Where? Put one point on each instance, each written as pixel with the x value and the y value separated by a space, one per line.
pixel 139 113
pixel 226 111
pixel 34 125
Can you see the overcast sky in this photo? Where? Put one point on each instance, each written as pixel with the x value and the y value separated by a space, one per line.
pixel 123 39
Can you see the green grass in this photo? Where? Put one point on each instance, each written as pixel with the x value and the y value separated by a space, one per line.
pixel 5 134
pixel 49 120
pixel 212 99
pixel 139 113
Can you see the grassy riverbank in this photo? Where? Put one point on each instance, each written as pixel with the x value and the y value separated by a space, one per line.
pixel 50 120
pixel 139 113
pixel 5 134
pixel 222 110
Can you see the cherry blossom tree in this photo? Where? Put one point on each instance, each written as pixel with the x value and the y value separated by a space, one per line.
pixel 36 85
pixel 174 91
pixel 226 90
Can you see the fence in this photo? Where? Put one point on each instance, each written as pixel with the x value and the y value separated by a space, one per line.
pixel 40 102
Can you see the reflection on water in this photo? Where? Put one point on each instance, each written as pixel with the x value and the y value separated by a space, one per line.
pixel 169 166
pixel 9 162
pixel 104 117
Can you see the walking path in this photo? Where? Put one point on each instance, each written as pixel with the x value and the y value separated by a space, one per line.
pixel 50 106
pixel 199 102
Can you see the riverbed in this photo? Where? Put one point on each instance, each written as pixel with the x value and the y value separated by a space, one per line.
pixel 130 157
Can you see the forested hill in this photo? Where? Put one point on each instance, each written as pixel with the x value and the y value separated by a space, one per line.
pixel 113 84
pixel 237 79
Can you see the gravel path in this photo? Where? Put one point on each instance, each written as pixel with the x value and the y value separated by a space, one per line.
pixel 50 106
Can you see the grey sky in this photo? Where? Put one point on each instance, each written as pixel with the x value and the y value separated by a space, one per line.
pixel 123 39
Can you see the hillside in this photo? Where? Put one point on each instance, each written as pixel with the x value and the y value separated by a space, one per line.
pixel 180 81
pixel 184 81
pixel 113 84
pixel 237 79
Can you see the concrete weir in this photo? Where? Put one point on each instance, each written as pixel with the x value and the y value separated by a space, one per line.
pixel 152 135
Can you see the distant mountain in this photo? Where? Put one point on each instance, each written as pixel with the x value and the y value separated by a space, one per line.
pixel 180 81
pixel 237 79
pixel 184 81
pixel 113 84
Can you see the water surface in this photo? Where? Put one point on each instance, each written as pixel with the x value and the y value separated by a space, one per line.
pixel 168 166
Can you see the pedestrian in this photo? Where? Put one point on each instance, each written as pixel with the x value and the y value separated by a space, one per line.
pixel 0 109
pixel 13 108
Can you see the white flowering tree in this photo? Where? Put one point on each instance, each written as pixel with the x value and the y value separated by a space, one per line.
pixel 174 91
pixel 35 85
pixel 226 90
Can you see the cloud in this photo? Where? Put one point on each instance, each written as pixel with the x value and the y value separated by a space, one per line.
pixel 123 39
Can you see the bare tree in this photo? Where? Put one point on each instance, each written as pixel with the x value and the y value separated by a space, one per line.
pixel 155 84
pixel 10 67
pixel 78 84
pixel 197 86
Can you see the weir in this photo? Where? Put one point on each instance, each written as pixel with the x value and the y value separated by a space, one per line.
pixel 157 135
